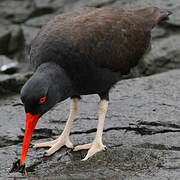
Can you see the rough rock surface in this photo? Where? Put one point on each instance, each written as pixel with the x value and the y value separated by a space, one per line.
pixel 7 66
pixel 12 83
pixel 142 133
pixel 4 39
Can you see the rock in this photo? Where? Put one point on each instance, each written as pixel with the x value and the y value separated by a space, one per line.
pixel 42 7
pixel 51 5
pixel 164 55
pixel 11 39
pixel 16 40
pixel 4 60
pixel 67 6
pixel 16 11
pixel 38 22
pixel 5 36
pixel 29 34
pixel 141 133
pixel 131 4
pixel 9 68
pixel 175 20
pixel 12 83
pixel 159 32
pixel 7 65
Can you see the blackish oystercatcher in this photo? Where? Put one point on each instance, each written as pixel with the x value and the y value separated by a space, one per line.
pixel 79 53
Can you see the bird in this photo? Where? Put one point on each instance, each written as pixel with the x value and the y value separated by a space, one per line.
pixel 83 52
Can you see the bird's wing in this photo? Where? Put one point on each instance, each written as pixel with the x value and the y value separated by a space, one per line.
pixel 108 37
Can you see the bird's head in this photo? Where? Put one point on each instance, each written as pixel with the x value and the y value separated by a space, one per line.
pixel 39 94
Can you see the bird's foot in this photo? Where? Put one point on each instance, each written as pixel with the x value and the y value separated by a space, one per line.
pixel 93 149
pixel 55 145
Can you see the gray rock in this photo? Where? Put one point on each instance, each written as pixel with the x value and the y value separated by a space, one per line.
pixel 29 34
pixel 12 83
pixel 39 21
pixel 142 133
pixel 5 36
pixel 53 5
pixel 131 4
pixel 175 20
pixel 164 55
pixel 4 60
pixel 9 68
pixel 7 65
pixel 44 7
pixel 159 32
pixel 16 40
pixel 70 5
pixel 16 11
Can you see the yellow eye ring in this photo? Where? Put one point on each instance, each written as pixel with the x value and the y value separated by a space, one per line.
pixel 42 100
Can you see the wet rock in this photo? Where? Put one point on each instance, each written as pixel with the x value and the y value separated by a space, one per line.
pixel 175 20
pixel 5 36
pixel 52 5
pixel 4 60
pixel 16 11
pixel 130 4
pixel 39 21
pixel 16 40
pixel 7 65
pixel 12 83
pixel 70 5
pixel 29 34
pixel 158 32
pixel 9 68
pixel 141 132
pixel 99 4
pixel 40 12
pixel 164 55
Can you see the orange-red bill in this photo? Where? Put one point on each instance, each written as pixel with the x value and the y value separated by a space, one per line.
pixel 31 121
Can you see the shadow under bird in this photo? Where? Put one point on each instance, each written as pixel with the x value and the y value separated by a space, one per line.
pixel 79 53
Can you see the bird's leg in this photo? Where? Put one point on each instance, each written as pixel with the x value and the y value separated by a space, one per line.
pixel 63 140
pixel 97 144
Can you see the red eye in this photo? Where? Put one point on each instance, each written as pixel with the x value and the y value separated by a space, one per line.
pixel 43 99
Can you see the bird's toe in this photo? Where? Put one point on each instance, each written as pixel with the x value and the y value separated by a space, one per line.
pixel 60 143
pixel 96 147
pixel 82 147
pixel 45 144
pixel 69 144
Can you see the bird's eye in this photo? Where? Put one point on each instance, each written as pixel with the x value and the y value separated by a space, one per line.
pixel 42 100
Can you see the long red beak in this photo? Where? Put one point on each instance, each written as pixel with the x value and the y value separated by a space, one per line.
pixel 31 121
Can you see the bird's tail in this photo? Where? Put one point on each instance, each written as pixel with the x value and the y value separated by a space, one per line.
pixel 154 15
pixel 161 15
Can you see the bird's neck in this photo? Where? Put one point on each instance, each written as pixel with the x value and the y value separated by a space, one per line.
pixel 55 77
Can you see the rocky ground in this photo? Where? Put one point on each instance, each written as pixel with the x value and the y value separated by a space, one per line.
pixel 142 128
pixel 142 134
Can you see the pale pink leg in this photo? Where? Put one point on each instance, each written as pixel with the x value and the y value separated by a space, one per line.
pixel 63 140
pixel 97 144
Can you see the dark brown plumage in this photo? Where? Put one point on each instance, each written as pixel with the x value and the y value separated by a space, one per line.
pixel 110 37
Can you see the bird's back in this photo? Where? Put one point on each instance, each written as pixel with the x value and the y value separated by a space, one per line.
pixel 110 38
